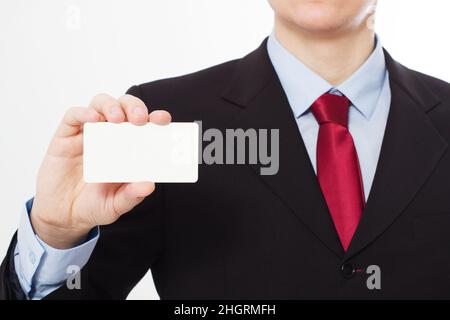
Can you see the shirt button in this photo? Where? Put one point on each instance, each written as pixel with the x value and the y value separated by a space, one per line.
pixel 347 270
pixel 32 257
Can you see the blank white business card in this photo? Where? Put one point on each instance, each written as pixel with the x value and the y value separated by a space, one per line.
pixel 123 152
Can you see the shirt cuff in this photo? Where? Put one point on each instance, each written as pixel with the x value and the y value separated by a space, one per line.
pixel 40 264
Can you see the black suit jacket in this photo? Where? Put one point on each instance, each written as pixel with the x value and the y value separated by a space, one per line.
pixel 237 234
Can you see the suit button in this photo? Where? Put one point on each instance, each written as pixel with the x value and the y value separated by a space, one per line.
pixel 347 270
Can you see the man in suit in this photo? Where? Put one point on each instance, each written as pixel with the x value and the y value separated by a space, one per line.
pixel 359 207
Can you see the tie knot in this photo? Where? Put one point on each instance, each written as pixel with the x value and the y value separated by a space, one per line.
pixel 331 108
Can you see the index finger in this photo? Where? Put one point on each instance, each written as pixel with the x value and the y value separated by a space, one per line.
pixel 135 109
pixel 74 118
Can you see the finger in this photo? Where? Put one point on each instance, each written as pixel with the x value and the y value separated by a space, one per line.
pixel 109 107
pixel 160 117
pixel 135 109
pixel 131 194
pixel 73 120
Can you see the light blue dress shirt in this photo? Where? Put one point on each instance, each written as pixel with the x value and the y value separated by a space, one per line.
pixel 42 269
pixel 367 88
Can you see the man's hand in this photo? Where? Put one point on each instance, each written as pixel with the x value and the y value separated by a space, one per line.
pixel 65 208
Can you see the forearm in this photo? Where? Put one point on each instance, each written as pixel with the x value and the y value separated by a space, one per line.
pixel 40 268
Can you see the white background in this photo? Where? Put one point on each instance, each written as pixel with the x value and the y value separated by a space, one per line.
pixel 57 53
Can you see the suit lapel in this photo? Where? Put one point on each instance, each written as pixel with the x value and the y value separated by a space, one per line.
pixel 411 149
pixel 256 88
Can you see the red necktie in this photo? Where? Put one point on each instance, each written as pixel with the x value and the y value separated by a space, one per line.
pixel 337 165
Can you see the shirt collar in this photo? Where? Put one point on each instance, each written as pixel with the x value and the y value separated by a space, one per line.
pixel 303 86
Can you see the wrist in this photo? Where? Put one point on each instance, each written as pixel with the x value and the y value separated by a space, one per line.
pixel 56 236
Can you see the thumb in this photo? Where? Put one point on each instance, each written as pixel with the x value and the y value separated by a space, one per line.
pixel 131 194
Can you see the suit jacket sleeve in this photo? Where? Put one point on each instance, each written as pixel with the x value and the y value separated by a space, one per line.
pixel 9 283
pixel 124 253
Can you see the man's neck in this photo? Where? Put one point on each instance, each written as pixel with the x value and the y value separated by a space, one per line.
pixel 334 57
